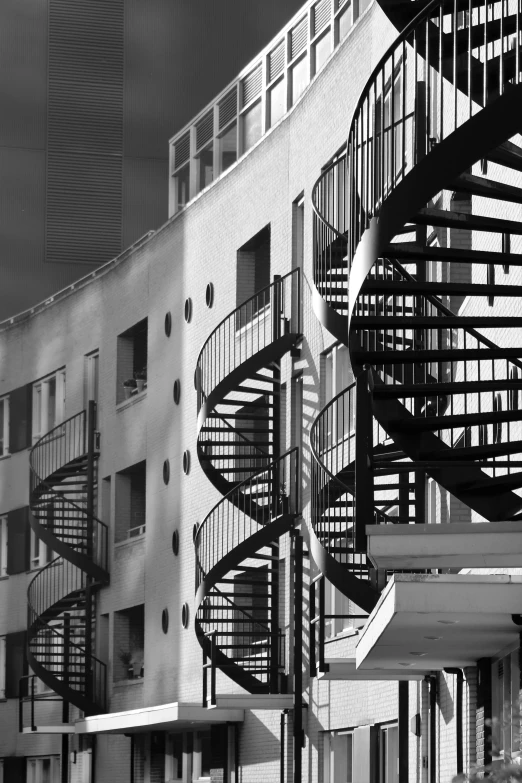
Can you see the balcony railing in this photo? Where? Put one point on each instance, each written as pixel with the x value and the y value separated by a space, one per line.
pixel 260 96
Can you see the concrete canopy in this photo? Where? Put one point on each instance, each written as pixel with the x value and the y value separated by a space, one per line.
pixel 430 621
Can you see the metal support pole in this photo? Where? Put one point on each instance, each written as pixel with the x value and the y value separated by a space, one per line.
pixel 363 454
pixel 298 655
pixel 313 660
pixel 322 636
pixel 65 704
pixel 459 738
pixel 89 507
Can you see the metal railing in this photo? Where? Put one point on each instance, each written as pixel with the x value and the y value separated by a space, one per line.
pixel 257 323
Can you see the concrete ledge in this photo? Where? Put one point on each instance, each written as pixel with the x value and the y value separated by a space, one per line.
pixel 430 621
pixel 457 545
pixel 163 716
pixel 248 701
pixel 345 669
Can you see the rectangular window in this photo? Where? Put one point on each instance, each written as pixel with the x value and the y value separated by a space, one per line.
pixel 202 757
pixel 389 754
pixel 4 426
pixel 174 757
pixel 181 187
pixel 322 49
pixel 129 639
pixel 299 78
pixel 505 680
pixel 92 377
pixel 2 667
pixel 277 102
pixel 131 362
pixel 205 164
pixel 338 757
pixel 48 403
pixel 228 148
pixel 131 502
pixel 3 546
pixel 252 126
pixel 344 21
pixel 252 276
pixel 43 769
pixel 40 553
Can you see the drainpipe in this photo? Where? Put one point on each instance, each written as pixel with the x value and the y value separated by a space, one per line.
pixel 460 682
pixel 282 743
pixel 432 748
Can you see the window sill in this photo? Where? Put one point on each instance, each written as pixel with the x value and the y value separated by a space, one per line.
pixel 5 456
pixel 129 541
pixel 125 683
pixel 343 635
pixel 124 404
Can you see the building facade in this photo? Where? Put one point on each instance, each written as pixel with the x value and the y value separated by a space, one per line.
pixel 241 461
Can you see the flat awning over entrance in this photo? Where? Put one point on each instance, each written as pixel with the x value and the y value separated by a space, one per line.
pixel 427 621
pixel 159 718
pixel 456 545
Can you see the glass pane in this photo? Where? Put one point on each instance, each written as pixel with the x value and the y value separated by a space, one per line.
pixel 277 99
pixel 51 403
pixel 392 755
pixel 46 771
pixel 177 756
pixel 205 168
pixel 322 51
pixel 299 79
pixel 252 127
pixel 345 21
pixel 182 180
pixel 228 148
pixel 206 754
pixel 2 413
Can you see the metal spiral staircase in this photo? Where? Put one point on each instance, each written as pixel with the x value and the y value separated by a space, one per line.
pixel 414 231
pixel 237 544
pixel 60 597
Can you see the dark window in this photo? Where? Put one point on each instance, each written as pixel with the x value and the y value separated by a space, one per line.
pixel 253 275
pixel 20 416
pixel 15 662
pixel 18 541
pixel 132 359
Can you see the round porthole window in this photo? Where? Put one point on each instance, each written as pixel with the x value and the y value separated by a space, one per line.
pixel 175 542
pixel 165 620
pixel 185 615
pixel 209 295
pixel 188 310
pixel 186 462
pixel 194 532
pixel 166 472
pixel 168 324
pixel 176 391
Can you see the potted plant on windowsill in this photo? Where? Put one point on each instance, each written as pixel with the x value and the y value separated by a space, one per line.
pixel 126 659
pixel 141 379
pixel 129 387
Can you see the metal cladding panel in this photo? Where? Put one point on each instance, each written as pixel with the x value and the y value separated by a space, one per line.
pixel 84 214
pixel 85 130
pixel 23 73
pixel 145 202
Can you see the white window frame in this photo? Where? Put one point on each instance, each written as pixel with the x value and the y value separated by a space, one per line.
pixel 41 554
pixel 4 415
pixel 41 422
pixel 35 768
pixel 197 754
pixel 92 377
pixel 3 545
pixel 336 771
pixel 2 666
pixel 169 759
pixel 384 749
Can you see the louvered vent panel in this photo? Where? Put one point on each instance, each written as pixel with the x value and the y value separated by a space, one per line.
pixel 182 150
pixel 251 85
pixel 298 38
pixel 83 208
pixel 276 61
pixel 228 108
pixel 321 15
pixel 85 130
pixel 339 4
pixel 204 130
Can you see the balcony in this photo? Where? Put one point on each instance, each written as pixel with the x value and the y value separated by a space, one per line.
pixel 431 621
pixel 455 545
pixel 260 96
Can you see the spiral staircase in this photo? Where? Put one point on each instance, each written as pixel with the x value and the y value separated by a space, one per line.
pixel 414 237
pixel 60 597
pixel 237 544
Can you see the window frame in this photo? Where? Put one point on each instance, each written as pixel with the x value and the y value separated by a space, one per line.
pixel 330 771
pixel 91 389
pixel 40 400
pixel 4 539
pixel 37 777
pixel 3 663
pixel 4 416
